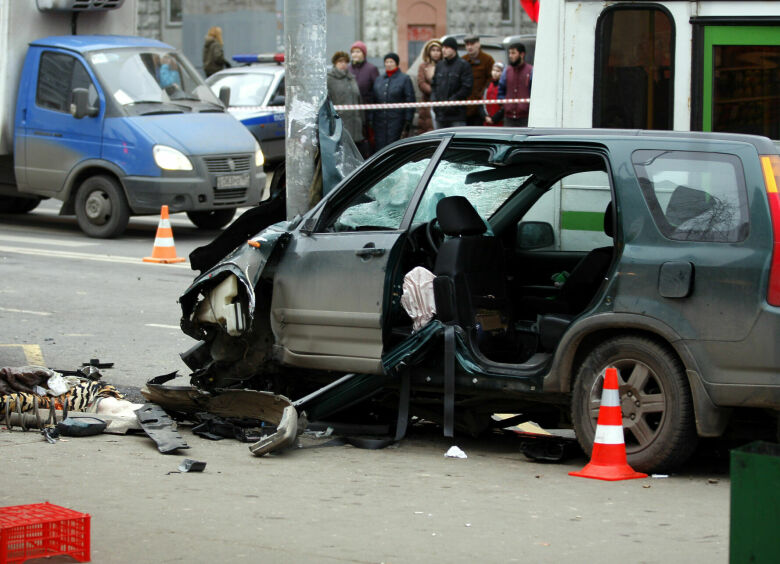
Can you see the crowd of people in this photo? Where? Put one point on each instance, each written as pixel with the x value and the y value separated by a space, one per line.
pixel 441 76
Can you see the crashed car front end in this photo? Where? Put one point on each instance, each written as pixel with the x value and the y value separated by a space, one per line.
pixel 222 310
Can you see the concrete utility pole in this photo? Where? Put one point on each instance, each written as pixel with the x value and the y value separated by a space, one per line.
pixel 305 25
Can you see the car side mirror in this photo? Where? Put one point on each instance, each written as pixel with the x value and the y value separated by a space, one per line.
pixel 534 235
pixel 277 101
pixel 79 105
pixel 224 95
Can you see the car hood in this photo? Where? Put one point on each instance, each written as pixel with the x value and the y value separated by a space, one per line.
pixel 198 134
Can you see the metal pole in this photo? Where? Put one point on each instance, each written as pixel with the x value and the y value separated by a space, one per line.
pixel 305 87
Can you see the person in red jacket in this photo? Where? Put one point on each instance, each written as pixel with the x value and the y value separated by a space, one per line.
pixel 491 93
pixel 515 83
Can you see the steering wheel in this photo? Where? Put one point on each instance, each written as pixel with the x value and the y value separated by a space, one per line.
pixel 433 235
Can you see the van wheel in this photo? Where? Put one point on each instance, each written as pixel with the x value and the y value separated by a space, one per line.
pixel 101 207
pixel 658 418
pixel 213 219
pixel 12 204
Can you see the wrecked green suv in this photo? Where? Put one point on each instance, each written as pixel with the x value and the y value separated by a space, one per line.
pixel 531 260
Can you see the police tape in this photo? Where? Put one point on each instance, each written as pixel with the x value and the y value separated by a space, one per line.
pixel 403 105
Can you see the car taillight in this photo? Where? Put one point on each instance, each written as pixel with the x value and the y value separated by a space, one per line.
pixel 771 167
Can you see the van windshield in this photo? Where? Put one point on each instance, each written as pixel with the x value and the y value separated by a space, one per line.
pixel 151 81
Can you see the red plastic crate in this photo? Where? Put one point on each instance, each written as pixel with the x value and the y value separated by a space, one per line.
pixel 42 529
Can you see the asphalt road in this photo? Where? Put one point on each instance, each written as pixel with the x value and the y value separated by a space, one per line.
pixel 66 298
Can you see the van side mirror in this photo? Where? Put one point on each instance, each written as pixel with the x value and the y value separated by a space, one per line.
pixel 277 101
pixel 79 105
pixel 534 235
pixel 224 95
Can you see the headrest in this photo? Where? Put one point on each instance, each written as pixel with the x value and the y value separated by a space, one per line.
pixel 457 216
pixel 609 221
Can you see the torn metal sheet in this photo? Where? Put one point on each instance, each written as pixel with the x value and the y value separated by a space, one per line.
pixel 160 428
pixel 248 404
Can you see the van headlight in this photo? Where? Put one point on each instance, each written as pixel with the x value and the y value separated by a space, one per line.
pixel 259 157
pixel 168 158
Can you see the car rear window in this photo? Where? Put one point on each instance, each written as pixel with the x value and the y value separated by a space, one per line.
pixel 694 196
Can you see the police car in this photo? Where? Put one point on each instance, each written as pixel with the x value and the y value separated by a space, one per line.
pixel 255 82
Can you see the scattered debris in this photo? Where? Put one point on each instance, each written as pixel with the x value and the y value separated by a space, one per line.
pixel 540 444
pixel 659 476
pixel 160 428
pixel 190 465
pixel 80 426
pixel 455 452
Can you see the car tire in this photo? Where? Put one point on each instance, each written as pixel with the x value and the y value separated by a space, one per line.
pixel 101 207
pixel 658 418
pixel 212 219
pixel 12 204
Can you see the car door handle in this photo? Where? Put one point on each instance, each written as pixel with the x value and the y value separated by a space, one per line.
pixel 367 252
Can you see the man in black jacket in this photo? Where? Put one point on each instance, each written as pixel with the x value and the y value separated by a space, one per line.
pixel 452 80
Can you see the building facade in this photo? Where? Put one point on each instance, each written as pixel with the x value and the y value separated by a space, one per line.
pixel 401 26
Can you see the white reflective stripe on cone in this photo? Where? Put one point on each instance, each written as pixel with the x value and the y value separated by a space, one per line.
pixel 609 435
pixel 164 242
pixel 164 223
pixel 610 398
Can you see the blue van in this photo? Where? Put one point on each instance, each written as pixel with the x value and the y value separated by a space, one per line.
pixel 116 126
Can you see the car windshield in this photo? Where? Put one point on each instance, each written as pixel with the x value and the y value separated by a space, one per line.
pixel 246 89
pixel 148 81
pixel 468 172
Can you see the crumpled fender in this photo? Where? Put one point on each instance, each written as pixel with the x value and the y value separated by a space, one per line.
pixel 246 262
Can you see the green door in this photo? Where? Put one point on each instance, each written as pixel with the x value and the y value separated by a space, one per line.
pixel 741 79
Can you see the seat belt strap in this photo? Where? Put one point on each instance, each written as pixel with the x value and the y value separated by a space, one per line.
pixel 403 405
pixel 449 381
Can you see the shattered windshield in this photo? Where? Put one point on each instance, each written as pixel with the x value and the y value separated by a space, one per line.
pixel 151 81
pixel 467 172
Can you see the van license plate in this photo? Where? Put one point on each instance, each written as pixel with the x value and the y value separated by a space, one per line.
pixel 233 181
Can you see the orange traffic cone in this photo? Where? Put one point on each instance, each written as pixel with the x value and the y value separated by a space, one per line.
pixel 164 250
pixel 608 459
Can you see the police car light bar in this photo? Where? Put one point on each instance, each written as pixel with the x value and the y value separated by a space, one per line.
pixel 264 58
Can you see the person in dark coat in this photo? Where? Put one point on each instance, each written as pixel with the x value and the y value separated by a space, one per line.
pixel 451 81
pixel 392 86
pixel 213 54
pixel 343 90
pixel 365 74
pixel 481 66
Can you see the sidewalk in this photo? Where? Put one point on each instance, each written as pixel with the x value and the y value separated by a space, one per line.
pixel 405 503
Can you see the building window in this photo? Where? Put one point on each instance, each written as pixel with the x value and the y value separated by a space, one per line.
pixel 173 12
pixel 634 75
pixel 506 11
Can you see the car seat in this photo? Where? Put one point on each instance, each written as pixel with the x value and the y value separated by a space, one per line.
pixel 469 268
pixel 582 283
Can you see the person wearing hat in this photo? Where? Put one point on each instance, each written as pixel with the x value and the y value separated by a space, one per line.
pixel 516 83
pixel 343 90
pixel 365 74
pixel 452 81
pixel 431 54
pixel 481 67
pixel 492 114
pixel 391 87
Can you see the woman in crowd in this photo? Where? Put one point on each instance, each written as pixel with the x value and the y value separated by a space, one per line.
pixel 430 56
pixel 392 86
pixel 343 90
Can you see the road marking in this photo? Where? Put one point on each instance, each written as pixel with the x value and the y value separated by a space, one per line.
pixel 46 241
pixel 85 256
pixel 12 310
pixel 32 353
pixel 163 326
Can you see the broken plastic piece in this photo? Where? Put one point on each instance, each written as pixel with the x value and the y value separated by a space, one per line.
pixel 190 465
pixel 97 364
pixel 286 431
pixel 81 426
pixel 159 427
